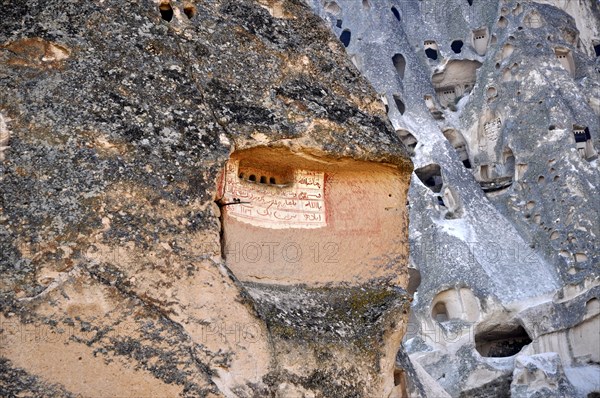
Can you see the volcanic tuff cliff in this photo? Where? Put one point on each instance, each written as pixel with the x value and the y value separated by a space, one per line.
pixel 126 239
pixel 207 198
pixel 500 102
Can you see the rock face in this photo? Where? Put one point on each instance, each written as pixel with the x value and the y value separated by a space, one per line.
pixel 499 100
pixel 208 198
pixel 198 199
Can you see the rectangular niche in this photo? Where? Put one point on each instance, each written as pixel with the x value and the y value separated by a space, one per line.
pixel 455 80
pixel 566 59
pixel 583 142
pixel 480 40
pixel 290 218
pixel 446 96
pixel 275 198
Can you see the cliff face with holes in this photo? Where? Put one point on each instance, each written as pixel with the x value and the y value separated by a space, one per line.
pixel 198 199
pixel 499 100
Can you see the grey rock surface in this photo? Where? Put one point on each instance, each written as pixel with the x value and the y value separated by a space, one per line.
pixel 499 102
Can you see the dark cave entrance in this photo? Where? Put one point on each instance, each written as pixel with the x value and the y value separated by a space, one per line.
pixel 400 64
pixel 399 104
pixel 166 11
pixel 503 341
pixel 457 46
pixel 431 54
pixel 345 38
pixel 431 177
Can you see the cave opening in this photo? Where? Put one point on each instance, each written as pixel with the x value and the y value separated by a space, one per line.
pixel 583 142
pixel 400 64
pixel 166 11
pixel 407 139
pixel 345 37
pixel 431 177
pixel 439 312
pixel 565 58
pixel 189 10
pixel 431 53
pixel 457 140
pixel 457 46
pixel 597 49
pixel 431 49
pixel 503 341
pixel 399 104
pixel 278 196
pixel 333 8
pixel 480 40
pixel 396 13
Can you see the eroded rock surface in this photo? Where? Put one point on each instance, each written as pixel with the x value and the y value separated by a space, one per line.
pixel 498 100
pixel 118 122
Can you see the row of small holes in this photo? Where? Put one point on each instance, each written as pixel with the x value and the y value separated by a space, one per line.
pixel 263 179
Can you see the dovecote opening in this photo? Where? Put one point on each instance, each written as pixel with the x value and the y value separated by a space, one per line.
pixel 439 312
pixel 333 8
pixel 507 50
pixel 446 96
pixel 518 9
pixel 366 5
pixel 502 341
pixel 502 22
pixel 345 37
pixel 508 163
pixel 248 173
pixel 407 139
pixel 566 59
pixel 450 198
pixel 166 11
pixel 520 171
pixel 470 2
pixel 435 112
pixel 480 40
pixel 583 142
pixel 484 172
pixel 287 216
pixel 458 303
pixel 396 13
pixel 399 104
pixel 338 23
pixel 455 81
pixel 457 140
pixel 508 159
pixel 431 49
pixel 400 64
pixel 457 46
pixel 534 20
pixel 597 49
pixel 189 10
pixel 431 177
